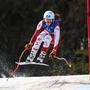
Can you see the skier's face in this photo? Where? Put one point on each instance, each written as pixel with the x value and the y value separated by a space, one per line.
pixel 48 21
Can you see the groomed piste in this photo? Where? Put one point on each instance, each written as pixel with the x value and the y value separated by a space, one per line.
pixel 71 82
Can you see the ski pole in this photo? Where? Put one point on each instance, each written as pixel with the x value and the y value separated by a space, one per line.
pixel 14 71
pixel 64 60
pixel 18 61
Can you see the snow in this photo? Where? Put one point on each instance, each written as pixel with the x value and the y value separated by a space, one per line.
pixel 73 82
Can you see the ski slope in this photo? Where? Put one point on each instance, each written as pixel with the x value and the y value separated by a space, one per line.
pixel 74 82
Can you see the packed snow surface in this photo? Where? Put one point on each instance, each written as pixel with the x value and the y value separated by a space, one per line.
pixel 72 82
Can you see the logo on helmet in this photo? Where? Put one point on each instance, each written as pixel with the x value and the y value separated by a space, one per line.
pixel 48 16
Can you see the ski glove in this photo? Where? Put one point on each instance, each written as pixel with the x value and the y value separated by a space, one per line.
pixel 28 46
pixel 52 55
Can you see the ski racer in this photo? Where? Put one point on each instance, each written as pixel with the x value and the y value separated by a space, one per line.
pixel 47 31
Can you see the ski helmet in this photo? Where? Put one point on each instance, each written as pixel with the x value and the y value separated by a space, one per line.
pixel 49 15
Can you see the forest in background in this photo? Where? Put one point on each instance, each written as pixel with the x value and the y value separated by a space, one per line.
pixel 18 21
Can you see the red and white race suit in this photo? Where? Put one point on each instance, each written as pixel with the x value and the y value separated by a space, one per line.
pixel 47 34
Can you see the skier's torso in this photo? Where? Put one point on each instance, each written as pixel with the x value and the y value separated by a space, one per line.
pixel 53 30
pixel 50 29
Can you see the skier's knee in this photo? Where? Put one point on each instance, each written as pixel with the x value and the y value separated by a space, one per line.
pixel 47 41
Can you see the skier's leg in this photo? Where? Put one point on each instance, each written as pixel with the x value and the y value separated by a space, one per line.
pixel 35 48
pixel 44 50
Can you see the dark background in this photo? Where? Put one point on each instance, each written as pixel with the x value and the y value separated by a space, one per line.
pixel 18 20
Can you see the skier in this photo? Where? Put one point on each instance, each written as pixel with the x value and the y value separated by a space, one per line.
pixel 47 31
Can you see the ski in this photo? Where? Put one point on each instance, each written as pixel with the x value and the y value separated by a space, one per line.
pixel 32 63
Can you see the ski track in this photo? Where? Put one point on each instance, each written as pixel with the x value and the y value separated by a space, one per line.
pixel 73 82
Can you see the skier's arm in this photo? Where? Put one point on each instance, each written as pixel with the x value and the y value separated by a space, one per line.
pixel 38 30
pixel 56 42
pixel 56 37
pixel 31 42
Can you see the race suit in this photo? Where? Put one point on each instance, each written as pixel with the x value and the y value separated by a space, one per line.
pixel 47 34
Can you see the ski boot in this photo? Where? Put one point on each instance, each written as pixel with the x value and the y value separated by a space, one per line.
pixel 41 57
pixel 31 57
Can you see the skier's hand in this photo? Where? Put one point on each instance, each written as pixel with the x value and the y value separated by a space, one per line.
pixel 52 55
pixel 28 46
